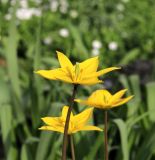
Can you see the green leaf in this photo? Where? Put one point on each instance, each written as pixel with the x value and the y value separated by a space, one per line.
pixel 129 56
pixel 135 86
pixel 10 45
pixel 95 147
pixel 26 153
pixel 7 131
pixel 124 137
pixel 150 90
pixel 78 41
pixel 146 149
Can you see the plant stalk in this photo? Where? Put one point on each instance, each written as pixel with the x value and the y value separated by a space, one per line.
pixel 106 135
pixel 64 148
pixel 72 147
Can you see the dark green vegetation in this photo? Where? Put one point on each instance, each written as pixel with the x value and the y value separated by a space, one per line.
pixel 125 29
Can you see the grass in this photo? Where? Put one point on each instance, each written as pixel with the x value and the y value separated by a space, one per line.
pixel 25 97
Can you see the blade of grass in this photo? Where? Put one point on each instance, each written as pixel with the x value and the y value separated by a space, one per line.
pixel 37 85
pixel 6 119
pixel 146 149
pixel 7 131
pixel 55 149
pixel 150 90
pixel 131 55
pixel 78 41
pixel 94 149
pixel 25 153
pixel 124 137
pixel 11 44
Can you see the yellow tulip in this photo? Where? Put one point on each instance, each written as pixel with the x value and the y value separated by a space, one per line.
pixel 76 123
pixel 84 73
pixel 104 100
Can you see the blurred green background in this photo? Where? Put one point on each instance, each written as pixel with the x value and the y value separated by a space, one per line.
pixel 121 32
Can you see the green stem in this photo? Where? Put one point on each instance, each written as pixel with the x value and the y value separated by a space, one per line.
pixel 64 148
pixel 106 135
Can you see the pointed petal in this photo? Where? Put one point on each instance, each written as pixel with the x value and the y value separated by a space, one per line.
pixel 49 74
pixel 123 101
pixel 64 61
pixel 117 96
pixel 89 81
pixel 92 104
pixel 90 65
pixel 104 71
pixel 65 111
pixel 86 102
pixel 78 100
pixel 90 128
pixel 51 121
pixel 82 118
pixel 81 101
pixel 64 78
pixel 55 74
pixel 50 128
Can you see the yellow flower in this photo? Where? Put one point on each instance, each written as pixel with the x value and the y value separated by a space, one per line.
pixel 76 123
pixel 104 100
pixel 80 73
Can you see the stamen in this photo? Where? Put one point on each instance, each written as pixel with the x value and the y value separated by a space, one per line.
pixel 104 98
pixel 77 70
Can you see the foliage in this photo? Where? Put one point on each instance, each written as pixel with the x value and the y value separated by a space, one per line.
pixel 25 97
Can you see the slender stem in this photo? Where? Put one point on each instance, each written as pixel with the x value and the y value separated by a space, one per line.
pixel 64 148
pixel 106 135
pixel 72 147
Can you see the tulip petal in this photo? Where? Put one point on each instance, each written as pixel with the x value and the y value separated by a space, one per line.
pixel 49 74
pixel 117 96
pixel 89 128
pixel 104 71
pixel 64 78
pixel 99 98
pixel 82 118
pixel 65 111
pixel 81 101
pixel 90 65
pixel 122 101
pixel 64 61
pixel 50 128
pixel 89 103
pixel 78 100
pixel 51 121
pixel 55 74
pixel 89 81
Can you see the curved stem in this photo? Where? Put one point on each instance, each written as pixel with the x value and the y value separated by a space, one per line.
pixel 64 148
pixel 72 147
pixel 106 135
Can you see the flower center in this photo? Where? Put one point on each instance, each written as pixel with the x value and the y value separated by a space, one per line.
pixel 105 99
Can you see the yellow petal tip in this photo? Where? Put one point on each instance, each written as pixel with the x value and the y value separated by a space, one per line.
pixel 124 90
pixel 58 52
pixel 132 96
pixel 35 71
pixel 76 100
